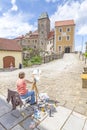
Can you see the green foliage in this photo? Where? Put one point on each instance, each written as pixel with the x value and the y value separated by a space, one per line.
pixel 85 54
pixel 33 57
pixel 25 62
pixel 24 49
pixel 35 60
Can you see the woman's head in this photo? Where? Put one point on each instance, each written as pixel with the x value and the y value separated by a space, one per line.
pixel 21 75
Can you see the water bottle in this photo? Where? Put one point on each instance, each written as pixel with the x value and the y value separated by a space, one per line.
pixel 36 113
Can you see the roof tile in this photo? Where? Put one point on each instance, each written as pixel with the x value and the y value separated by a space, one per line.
pixel 64 23
pixel 9 45
pixel 51 34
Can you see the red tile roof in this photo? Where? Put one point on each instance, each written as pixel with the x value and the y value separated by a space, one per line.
pixel 9 45
pixel 51 34
pixel 64 23
pixel 32 36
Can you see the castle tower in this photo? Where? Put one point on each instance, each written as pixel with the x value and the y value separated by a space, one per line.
pixel 43 30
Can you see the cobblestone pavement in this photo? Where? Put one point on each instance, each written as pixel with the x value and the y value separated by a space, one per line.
pixel 60 79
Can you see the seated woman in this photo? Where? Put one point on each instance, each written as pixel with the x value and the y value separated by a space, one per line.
pixel 22 88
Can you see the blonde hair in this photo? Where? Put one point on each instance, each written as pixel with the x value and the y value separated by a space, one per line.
pixel 21 75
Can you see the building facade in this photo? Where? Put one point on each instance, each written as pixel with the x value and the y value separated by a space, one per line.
pixel 50 42
pixel 10 53
pixel 64 36
pixel 61 39
pixel 30 40
pixel 42 38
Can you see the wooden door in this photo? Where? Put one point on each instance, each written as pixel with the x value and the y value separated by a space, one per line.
pixel 8 61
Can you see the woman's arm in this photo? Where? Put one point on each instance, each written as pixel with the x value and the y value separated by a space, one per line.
pixel 27 81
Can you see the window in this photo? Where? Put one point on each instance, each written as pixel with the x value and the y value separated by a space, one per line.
pixel 60 29
pixel 59 48
pixel 68 38
pixel 35 41
pixel 41 42
pixel 42 25
pixel 34 46
pixel 42 32
pixel 28 41
pixel 32 41
pixel 59 38
pixel 68 29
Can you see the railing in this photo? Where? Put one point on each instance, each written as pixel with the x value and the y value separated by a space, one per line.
pixel 52 57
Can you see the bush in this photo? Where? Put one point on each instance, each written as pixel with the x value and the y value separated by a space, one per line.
pixel 25 62
pixel 36 60
pixel 85 54
pixel 33 61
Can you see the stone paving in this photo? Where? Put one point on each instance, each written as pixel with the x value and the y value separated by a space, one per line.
pixel 61 80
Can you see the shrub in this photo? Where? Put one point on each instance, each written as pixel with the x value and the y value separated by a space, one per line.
pixel 33 61
pixel 36 60
pixel 85 54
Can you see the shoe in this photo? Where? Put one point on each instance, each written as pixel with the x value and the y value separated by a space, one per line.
pixel 33 103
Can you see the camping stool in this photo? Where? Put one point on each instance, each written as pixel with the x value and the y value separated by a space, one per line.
pixel 26 101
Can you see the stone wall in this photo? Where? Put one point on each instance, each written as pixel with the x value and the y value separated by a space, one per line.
pixel 52 57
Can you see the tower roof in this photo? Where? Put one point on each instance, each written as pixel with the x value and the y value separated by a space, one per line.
pixel 43 15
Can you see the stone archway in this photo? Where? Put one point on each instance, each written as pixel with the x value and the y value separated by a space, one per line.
pixel 7 61
pixel 67 50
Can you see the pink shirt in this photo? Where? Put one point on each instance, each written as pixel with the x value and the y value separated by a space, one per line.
pixel 21 86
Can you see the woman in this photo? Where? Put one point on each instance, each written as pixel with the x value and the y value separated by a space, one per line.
pixel 22 88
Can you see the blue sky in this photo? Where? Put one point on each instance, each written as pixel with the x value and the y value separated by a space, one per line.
pixel 18 17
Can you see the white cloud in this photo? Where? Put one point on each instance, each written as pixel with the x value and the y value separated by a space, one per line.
pixel 82 30
pixel 14 6
pixel 80 48
pixel 51 1
pixel 12 26
pixel 0 8
pixel 73 10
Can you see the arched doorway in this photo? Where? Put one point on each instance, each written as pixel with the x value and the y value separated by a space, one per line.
pixel 7 61
pixel 67 50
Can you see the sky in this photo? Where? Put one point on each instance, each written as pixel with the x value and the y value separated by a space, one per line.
pixel 18 17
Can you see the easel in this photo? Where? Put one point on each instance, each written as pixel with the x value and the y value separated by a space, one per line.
pixel 36 77
pixel 34 87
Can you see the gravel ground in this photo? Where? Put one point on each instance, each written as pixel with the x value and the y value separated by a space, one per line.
pixel 60 79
